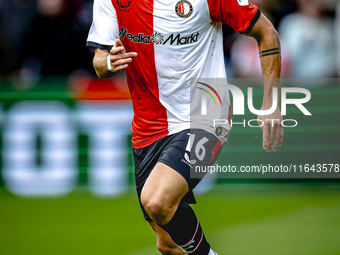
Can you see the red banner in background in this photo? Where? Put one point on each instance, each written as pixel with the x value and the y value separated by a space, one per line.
pixel 99 89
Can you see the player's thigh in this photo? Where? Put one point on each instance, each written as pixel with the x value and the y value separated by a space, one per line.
pixel 164 185
pixel 164 241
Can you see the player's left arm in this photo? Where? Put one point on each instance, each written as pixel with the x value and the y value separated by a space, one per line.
pixel 270 53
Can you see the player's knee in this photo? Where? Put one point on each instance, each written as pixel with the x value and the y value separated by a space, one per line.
pixel 157 209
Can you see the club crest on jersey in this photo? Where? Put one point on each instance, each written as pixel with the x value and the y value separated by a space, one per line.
pixel 184 9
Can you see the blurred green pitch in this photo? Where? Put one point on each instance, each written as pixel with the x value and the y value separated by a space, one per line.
pixel 239 219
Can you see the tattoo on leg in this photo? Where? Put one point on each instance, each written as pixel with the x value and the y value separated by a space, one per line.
pixel 274 51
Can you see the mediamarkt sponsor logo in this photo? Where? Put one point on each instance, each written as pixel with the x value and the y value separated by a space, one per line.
pixel 139 38
pixel 158 38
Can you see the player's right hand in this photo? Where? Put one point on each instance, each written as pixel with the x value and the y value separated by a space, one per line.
pixel 119 58
pixel 272 129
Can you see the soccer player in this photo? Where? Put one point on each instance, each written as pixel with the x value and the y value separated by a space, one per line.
pixel 163 45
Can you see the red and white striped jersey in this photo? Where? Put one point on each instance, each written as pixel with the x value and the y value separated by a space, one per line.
pixel 176 41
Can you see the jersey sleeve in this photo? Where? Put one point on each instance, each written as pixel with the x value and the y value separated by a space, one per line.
pixel 240 15
pixel 104 29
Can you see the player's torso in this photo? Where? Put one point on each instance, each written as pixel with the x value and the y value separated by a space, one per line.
pixel 175 41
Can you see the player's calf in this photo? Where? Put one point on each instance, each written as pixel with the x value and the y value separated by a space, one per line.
pixel 164 242
pixel 186 231
pixel 167 248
